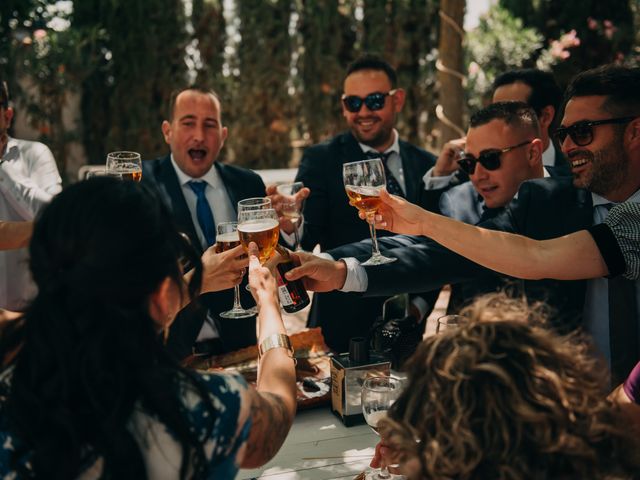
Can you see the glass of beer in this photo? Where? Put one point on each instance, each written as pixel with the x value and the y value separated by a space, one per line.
pixel 129 164
pixel 227 238
pixel 290 209
pixel 262 227
pixel 254 203
pixel 363 181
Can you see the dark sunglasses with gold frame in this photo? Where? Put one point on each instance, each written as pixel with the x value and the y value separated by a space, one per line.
pixel 489 159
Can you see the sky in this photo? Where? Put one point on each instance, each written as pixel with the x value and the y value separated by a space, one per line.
pixel 475 8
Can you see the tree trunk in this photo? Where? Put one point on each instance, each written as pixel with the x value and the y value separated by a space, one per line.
pixel 450 77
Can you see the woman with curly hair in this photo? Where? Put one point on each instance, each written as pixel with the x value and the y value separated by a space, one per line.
pixel 88 389
pixel 504 398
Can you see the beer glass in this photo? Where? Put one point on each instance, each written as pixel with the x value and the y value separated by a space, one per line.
pixel 262 227
pixel 290 208
pixel 227 238
pixel 129 164
pixel 447 322
pixel 363 181
pixel 253 203
pixel 378 394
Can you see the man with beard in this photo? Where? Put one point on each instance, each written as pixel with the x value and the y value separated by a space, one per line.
pixel 201 193
pixel 371 103
pixel 600 136
pixel 29 178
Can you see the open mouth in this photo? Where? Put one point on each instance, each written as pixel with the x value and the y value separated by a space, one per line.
pixel 197 154
pixel 579 162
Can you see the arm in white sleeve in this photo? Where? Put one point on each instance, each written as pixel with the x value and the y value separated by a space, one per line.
pixel 357 279
pixel 436 183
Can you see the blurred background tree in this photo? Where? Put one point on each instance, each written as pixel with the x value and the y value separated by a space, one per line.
pixel 94 76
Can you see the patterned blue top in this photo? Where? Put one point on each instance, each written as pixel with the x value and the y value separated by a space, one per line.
pixel 161 452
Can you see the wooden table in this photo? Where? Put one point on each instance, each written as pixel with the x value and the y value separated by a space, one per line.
pixel 319 446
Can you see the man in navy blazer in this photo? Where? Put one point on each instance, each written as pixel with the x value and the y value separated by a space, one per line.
pixel 600 136
pixel 195 134
pixel 371 103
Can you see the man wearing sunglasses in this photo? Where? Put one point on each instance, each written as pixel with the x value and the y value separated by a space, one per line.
pixel 371 103
pixel 600 136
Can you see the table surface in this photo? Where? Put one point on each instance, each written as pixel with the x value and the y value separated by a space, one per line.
pixel 319 446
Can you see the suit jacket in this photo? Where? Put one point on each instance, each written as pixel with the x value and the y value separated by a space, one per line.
pixel 545 208
pixel 240 183
pixel 330 221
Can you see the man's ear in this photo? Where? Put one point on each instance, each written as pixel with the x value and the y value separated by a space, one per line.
pixel 546 116
pixel 8 115
pixel 166 131
pixel 535 152
pixel 398 99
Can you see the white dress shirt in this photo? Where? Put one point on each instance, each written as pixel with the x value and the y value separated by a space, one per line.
pixel 29 179
pixel 223 211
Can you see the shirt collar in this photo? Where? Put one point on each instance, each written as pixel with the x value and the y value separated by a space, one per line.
pixel 395 146
pixel 12 143
pixel 211 177
pixel 599 200
pixel 549 155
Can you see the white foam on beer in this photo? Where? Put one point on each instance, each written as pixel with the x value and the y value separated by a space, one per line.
pixel 228 237
pixel 257 225
pixel 365 190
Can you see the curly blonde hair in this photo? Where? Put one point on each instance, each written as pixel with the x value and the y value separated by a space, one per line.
pixel 502 397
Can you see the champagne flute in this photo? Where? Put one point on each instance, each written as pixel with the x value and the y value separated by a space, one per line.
pixel 129 164
pixel 378 394
pixel 227 238
pixel 363 181
pixel 448 322
pixel 262 227
pixel 290 208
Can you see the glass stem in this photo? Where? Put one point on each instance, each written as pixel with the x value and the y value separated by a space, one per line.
pixel 384 473
pixel 372 230
pixel 236 298
pixel 296 236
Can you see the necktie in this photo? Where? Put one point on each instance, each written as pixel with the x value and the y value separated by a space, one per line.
pixel 393 187
pixel 623 326
pixel 203 212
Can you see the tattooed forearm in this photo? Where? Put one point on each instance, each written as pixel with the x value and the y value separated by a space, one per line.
pixel 270 423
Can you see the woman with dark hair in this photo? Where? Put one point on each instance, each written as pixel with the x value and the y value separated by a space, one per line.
pixel 88 390
pixel 502 397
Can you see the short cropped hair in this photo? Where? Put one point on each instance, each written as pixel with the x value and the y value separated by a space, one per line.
pixel 196 88
pixel 504 397
pixel 621 86
pixel 544 89
pixel 516 114
pixel 370 61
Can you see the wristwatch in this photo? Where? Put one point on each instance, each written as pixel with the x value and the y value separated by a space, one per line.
pixel 277 340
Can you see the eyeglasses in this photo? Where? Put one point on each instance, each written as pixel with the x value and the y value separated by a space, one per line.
pixel 489 159
pixel 373 101
pixel 581 133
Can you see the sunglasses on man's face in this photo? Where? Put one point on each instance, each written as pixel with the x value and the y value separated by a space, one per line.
pixel 581 133
pixel 489 159
pixel 373 101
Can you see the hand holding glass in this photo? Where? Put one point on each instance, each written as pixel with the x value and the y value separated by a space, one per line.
pixel 129 164
pixel 290 208
pixel 227 238
pixel 260 226
pixel 378 394
pixel 363 181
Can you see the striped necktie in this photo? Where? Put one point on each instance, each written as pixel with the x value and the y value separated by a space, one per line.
pixel 393 186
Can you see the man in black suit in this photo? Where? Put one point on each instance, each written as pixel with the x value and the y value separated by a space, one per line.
pixel 371 104
pixel 192 181
pixel 600 136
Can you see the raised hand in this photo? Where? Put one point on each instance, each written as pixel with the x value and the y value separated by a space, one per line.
pixel 447 162
pixel 262 282
pixel 278 201
pixel 222 270
pixel 318 274
pixel 397 215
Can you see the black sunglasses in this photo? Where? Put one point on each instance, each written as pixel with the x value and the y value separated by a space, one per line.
pixel 373 101
pixel 489 159
pixel 581 133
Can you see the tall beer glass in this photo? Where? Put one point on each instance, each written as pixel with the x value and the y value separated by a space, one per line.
pixel 262 227
pixel 129 164
pixel 227 238
pixel 363 181
pixel 254 203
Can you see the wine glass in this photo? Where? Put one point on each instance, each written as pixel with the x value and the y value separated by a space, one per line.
pixel 290 208
pixel 262 227
pixel 227 238
pixel 129 164
pixel 253 203
pixel 378 394
pixel 363 181
pixel 447 322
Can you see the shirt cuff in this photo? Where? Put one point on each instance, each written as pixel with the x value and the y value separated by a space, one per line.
pixel 357 280
pixel 436 183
